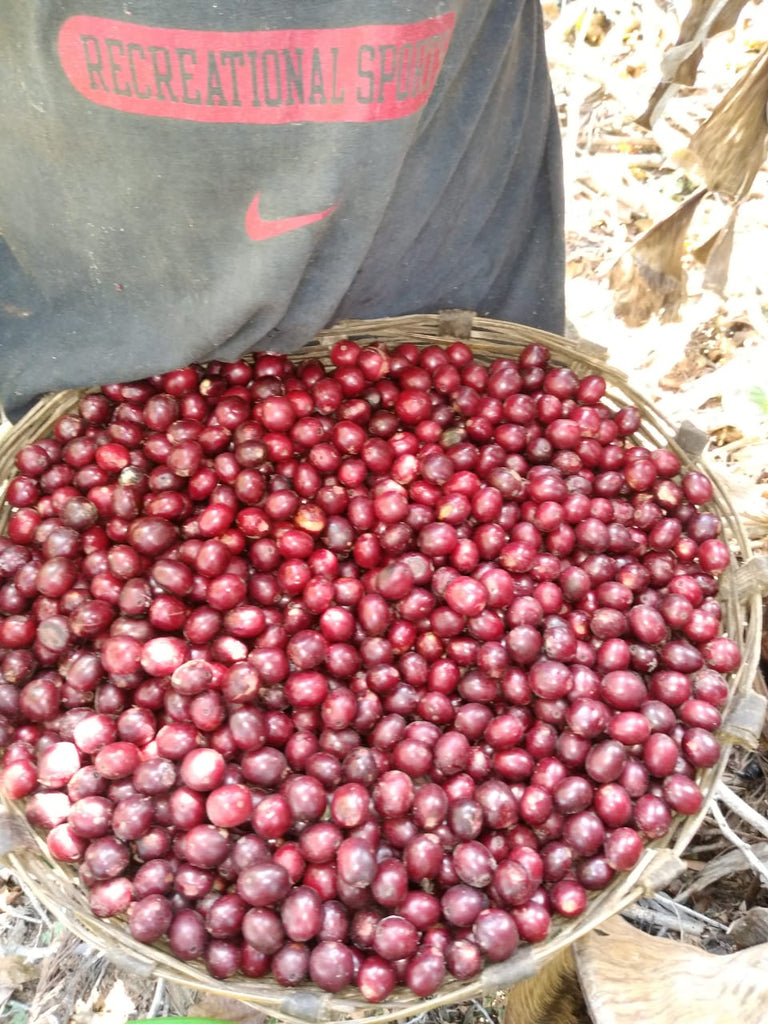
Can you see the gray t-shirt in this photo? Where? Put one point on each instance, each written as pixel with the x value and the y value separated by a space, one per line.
pixel 183 181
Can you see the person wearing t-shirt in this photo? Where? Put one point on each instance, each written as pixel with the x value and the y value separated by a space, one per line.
pixel 186 181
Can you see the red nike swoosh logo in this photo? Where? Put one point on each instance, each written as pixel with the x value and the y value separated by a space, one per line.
pixel 258 229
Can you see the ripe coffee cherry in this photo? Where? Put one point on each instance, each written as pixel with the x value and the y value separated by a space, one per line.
pixel 357 671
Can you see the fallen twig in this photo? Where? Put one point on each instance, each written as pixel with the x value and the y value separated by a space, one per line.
pixel 661 921
pixel 738 842
pixel 734 802
pixel 689 912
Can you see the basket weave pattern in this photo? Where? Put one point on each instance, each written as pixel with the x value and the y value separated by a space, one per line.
pixel 56 885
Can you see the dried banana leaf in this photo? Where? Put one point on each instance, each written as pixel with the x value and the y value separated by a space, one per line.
pixel 628 976
pixel 728 150
pixel 680 64
pixel 649 278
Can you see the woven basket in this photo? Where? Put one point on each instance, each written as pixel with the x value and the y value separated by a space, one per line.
pixel 56 887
